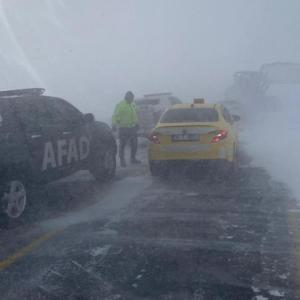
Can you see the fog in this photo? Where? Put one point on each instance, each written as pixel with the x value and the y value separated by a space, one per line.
pixel 272 138
pixel 90 52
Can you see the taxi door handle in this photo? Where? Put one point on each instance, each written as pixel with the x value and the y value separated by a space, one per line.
pixel 36 136
pixel 66 132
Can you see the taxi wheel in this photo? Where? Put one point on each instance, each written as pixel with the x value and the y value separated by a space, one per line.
pixel 235 165
pixel 154 169
pixel 103 167
pixel 158 169
pixel 233 168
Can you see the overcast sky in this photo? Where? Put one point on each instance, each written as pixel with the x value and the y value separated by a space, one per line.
pixel 92 51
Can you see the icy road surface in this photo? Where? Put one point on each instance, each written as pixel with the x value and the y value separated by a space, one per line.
pixel 141 238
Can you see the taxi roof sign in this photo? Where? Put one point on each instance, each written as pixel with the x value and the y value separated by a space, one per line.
pixel 199 101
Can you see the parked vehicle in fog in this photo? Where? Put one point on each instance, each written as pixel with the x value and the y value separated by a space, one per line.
pixel 45 138
pixel 202 133
pixel 150 109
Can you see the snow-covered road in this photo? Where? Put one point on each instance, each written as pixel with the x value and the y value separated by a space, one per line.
pixel 186 237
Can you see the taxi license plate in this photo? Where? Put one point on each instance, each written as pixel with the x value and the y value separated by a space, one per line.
pixel 185 137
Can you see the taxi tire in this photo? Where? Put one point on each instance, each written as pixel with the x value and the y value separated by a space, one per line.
pixel 235 165
pixel 154 169
pixel 158 169
pixel 233 168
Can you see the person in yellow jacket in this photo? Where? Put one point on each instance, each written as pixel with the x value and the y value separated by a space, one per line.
pixel 126 121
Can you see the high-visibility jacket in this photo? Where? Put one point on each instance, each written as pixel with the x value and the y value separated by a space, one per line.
pixel 125 115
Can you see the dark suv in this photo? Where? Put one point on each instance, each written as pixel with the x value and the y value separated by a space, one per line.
pixel 45 138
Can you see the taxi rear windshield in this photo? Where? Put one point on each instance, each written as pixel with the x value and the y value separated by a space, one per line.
pixel 148 102
pixel 190 115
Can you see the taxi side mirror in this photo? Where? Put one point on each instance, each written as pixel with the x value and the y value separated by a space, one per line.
pixel 236 118
pixel 89 118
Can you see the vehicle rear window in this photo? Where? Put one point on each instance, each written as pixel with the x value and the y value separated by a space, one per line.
pixel 173 100
pixel 148 102
pixel 190 115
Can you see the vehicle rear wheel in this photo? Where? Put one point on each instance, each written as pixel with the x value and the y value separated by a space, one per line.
pixel 13 201
pixel 235 164
pixel 103 166
pixel 232 169
pixel 158 168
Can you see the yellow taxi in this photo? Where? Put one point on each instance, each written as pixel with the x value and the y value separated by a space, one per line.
pixel 195 132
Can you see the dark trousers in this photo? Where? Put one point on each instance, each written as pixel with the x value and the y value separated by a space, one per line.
pixel 127 135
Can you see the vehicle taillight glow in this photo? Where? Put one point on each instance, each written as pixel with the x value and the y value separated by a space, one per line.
pixel 220 135
pixel 153 137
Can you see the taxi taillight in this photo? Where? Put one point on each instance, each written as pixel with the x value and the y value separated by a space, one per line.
pixel 219 136
pixel 153 137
